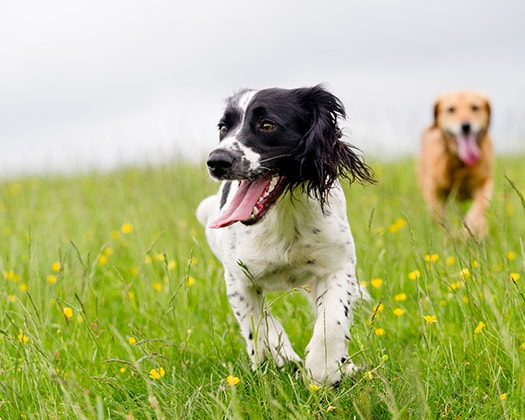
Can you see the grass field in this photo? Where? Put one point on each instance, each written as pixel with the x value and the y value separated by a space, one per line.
pixel 112 306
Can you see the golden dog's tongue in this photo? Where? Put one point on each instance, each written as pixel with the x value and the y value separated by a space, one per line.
pixel 468 149
pixel 243 202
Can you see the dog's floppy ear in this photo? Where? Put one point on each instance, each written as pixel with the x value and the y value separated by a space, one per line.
pixel 322 155
pixel 436 110
pixel 488 108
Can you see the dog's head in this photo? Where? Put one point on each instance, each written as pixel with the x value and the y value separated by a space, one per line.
pixel 463 118
pixel 275 140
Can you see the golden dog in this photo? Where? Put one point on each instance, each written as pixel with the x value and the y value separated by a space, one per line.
pixel 456 158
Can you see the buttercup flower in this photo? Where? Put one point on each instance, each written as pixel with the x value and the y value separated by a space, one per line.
pixel 511 255
pixel 400 297
pixel 450 260
pixel 22 338
pixel 515 276
pixel 376 283
pixel 126 228
pixel 397 225
pixel 157 373
pixel 431 257
pixel 413 275
pixel 314 387
pixel 232 380
pixel 479 327
pixel 68 312
pixel 399 312
pixel 56 266
pixel 379 331
pixel 430 318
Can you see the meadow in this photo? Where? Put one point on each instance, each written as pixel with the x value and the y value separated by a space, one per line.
pixel 112 305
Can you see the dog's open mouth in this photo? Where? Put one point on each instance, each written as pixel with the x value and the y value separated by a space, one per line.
pixel 251 201
pixel 468 148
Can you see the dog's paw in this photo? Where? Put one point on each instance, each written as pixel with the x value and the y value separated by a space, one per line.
pixel 323 371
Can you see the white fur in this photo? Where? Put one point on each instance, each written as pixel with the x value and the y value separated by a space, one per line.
pixel 296 244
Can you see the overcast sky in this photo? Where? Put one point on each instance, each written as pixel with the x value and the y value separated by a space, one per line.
pixel 87 83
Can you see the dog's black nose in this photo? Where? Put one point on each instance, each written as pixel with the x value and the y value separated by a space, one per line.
pixel 465 128
pixel 220 162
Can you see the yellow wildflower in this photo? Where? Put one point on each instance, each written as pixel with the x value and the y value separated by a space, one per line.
pixel 379 331
pixel 172 264
pixel 414 275
pixel 157 286
pixel 56 266
pixel 314 387
pixel 157 373
pixel 511 255
pixel 397 225
pixel 376 283
pixel 475 264
pixel 190 281
pixel 464 273
pixel 431 258
pixel 430 318
pixel 102 259
pixel 68 312
pixel 450 260
pixel 51 279
pixel 232 380
pixel 399 311
pixel 400 297
pixel 515 276
pixel 455 286
pixel 379 307
pixel 132 340
pixel 23 287
pixel 479 327
pixel 126 228
pixel 22 338
pixel 11 298
pixel 503 396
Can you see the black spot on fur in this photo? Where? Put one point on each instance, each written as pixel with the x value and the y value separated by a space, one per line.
pixel 225 192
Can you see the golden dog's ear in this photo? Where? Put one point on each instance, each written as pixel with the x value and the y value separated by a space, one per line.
pixel 486 102
pixel 436 111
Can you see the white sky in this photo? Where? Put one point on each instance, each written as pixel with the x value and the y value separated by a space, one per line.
pixel 86 83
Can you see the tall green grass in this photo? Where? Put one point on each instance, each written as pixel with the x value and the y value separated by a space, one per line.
pixel 112 306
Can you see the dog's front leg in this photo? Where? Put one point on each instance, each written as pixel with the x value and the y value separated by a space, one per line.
pixel 263 334
pixel 475 222
pixel 327 353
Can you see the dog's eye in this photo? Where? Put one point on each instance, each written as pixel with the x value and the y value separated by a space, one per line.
pixel 475 108
pixel 267 126
pixel 222 129
pixel 451 109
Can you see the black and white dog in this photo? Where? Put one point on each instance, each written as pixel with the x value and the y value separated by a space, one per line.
pixel 279 220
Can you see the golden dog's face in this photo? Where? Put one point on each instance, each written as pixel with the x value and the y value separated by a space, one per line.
pixel 463 118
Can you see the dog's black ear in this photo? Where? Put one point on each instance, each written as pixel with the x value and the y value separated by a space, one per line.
pixel 322 154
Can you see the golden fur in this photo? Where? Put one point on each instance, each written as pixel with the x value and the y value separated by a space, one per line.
pixel 456 157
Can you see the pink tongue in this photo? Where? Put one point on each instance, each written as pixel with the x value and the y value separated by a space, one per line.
pixel 468 149
pixel 242 204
